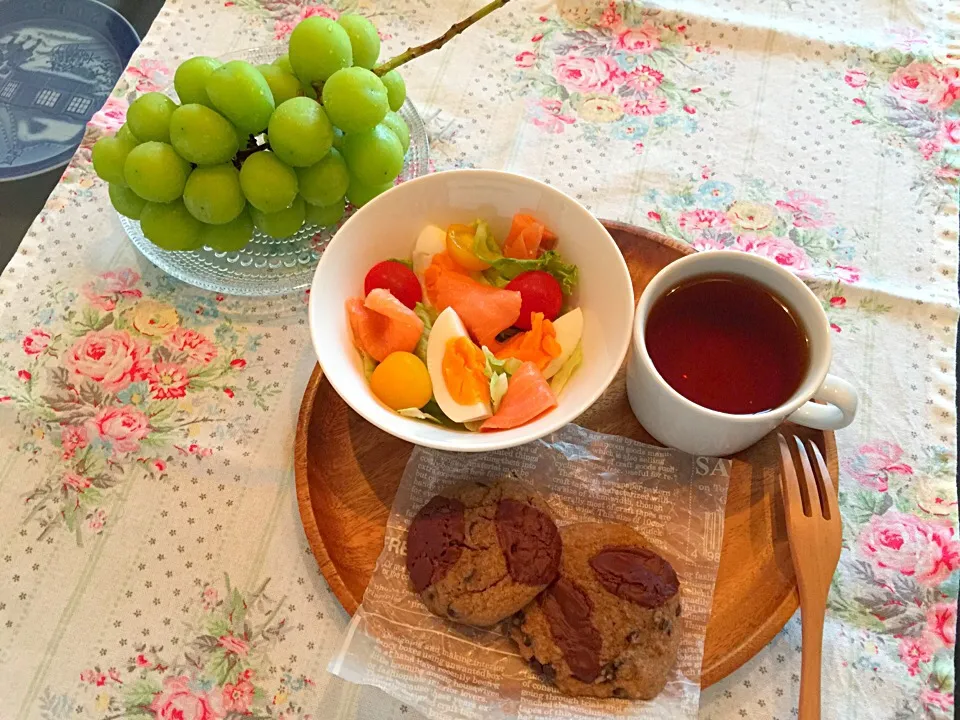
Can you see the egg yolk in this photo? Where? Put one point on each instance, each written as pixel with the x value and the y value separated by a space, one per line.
pixel 462 366
pixel 538 345
pixel 401 381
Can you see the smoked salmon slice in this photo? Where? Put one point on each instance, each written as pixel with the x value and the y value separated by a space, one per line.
pixel 526 237
pixel 484 310
pixel 538 345
pixel 382 324
pixel 528 396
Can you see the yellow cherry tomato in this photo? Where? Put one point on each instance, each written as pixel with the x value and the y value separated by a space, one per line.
pixel 460 247
pixel 402 381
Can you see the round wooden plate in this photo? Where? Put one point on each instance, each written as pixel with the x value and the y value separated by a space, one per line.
pixel 347 473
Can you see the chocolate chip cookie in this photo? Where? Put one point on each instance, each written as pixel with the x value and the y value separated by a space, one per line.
pixel 480 552
pixel 610 625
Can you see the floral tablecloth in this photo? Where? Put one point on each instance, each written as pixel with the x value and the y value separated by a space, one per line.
pixel 152 562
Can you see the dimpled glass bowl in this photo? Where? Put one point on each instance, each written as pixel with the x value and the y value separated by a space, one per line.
pixel 266 266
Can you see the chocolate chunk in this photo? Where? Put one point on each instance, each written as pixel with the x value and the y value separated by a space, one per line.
pixel 529 541
pixel 620 693
pixel 678 609
pixel 546 671
pixel 636 574
pixel 568 609
pixel 435 541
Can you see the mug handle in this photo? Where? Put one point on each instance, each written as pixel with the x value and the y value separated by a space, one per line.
pixel 840 410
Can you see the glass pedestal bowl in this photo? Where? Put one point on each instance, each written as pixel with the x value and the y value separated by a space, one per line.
pixel 267 265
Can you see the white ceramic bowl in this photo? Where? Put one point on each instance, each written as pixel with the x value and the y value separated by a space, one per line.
pixel 388 227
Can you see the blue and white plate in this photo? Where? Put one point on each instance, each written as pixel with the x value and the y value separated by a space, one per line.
pixel 59 60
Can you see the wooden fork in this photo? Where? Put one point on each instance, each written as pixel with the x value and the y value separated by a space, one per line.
pixel 813 526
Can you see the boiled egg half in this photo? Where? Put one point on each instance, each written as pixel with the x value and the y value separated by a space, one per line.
pixel 569 329
pixel 432 240
pixel 456 364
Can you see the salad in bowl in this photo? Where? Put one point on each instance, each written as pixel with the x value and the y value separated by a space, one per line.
pixel 468 331
pixel 471 310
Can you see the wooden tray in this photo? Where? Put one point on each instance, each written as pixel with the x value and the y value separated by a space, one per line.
pixel 347 473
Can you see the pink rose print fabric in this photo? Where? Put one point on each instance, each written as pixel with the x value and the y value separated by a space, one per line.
pixel 147 490
pixel 904 556
pixel 909 99
pixel 924 551
pixel 616 70
pixel 110 358
pixel 178 701
pixel 119 381
pixel 210 678
pixel 795 228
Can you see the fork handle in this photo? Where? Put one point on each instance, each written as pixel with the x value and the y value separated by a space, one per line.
pixel 812 609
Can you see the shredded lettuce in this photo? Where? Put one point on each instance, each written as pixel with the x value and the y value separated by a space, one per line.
pixel 494 365
pixel 473 426
pixel 565 273
pixel 432 408
pixel 493 277
pixel 418 414
pixel 504 269
pixel 369 364
pixel 559 381
pixel 429 316
pixel 498 388
pixel 485 245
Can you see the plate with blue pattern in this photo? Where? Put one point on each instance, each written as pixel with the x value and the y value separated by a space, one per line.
pixel 59 60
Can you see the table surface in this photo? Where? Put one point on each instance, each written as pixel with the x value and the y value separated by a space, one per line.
pixel 151 558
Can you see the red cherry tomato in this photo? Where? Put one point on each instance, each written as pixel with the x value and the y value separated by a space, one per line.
pixel 539 292
pixel 397 278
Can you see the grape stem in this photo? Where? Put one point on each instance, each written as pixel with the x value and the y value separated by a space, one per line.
pixel 437 43
pixel 248 151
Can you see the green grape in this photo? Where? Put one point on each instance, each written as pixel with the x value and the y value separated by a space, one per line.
pixel 230 236
pixel 324 182
pixel 283 62
pixel 268 183
pixel 283 223
pixel 364 39
pixel 170 226
pixel 396 89
pixel 399 127
pixel 242 94
pixel 300 132
pixel 149 116
pixel 375 156
pixel 126 133
pixel 324 215
pixel 337 137
pixel 202 136
pixel 125 201
pixel 213 195
pixel 283 85
pixel 155 172
pixel 190 80
pixel 360 194
pixel 318 48
pixel 243 138
pixel 109 155
pixel 355 99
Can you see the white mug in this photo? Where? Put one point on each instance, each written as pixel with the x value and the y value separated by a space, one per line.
pixel 680 423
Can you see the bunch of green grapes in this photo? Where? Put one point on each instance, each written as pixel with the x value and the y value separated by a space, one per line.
pixel 271 147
